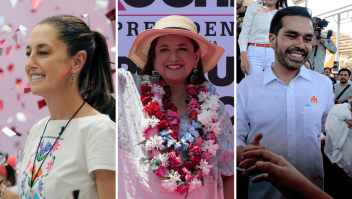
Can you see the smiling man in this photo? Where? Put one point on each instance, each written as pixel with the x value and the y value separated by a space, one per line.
pixel 287 103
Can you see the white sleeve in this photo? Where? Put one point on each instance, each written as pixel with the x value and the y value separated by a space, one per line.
pixel 246 28
pixel 241 120
pixel 100 148
pixel 331 104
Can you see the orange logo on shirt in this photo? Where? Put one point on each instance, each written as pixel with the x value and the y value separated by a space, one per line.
pixel 314 99
pixel 262 11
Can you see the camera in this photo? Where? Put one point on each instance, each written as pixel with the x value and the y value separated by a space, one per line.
pixel 320 24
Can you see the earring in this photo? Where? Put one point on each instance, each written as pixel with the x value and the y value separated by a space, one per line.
pixel 155 76
pixel 72 79
pixel 194 75
pixel 264 2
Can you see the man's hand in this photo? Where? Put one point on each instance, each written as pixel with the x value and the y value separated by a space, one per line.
pixel 254 145
pixel 281 174
pixel 244 63
pixel 315 43
pixel 322 41
pixel 349 97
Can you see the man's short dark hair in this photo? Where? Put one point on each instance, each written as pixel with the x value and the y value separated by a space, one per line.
pixel 328 69
pixel 345 69
pixel 276 22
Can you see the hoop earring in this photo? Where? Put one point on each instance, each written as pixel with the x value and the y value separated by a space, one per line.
pixel 72 79
pixel 155 77
pixel 194 75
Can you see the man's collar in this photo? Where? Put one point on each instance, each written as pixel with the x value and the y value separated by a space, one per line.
pixel 269 74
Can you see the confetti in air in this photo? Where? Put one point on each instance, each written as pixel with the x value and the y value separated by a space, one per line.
pixel 36 3
pixel 8 132
pixel 87 17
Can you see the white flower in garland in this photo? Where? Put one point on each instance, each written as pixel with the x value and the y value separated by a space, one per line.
pixel 153 122
pixel 202 96
pixel 195 184
pixel 171 184
pixel 203 165
pixel 158 88
pixel 213 127
pixel 207 116
pixel 145 124
pixel 164 159
pixel 210 147
pixel 155 142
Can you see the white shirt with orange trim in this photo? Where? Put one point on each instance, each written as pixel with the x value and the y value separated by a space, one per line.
pixel 256 25
pixel 291 117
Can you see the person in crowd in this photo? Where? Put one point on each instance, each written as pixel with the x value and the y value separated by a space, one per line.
pixel 177 114
pixel 308 65
pixel 287 103
pixel 281 174
pixel 320 44
pixel 8 175
pixel 337 151
pixel 74 148
pixel 240 13
pixel 256 53
pixel 343 90
pixel 327 72
pixel 336 76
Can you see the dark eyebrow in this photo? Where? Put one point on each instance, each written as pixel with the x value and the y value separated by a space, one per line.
pixel 39 45
pixel 296 33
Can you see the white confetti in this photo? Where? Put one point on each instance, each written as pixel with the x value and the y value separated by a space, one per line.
pixel 8 132
pixel 113 49
pixel 23 30
pixel 16 38
pixel 6 28
pixel 102 3
pixel 9 120
pixel 21 117
pixel 13 3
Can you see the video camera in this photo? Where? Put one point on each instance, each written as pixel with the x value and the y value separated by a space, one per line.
pixel 320 24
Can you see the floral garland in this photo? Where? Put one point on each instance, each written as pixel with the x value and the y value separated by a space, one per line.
pixel 161 127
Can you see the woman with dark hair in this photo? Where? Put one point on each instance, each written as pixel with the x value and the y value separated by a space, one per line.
pixel 256 52
pixel 74 148
pixel 184 132
pixel 7 174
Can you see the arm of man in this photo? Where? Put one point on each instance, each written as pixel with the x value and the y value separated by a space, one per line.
pixel 105 180
pixel 281 174
pixel 329 44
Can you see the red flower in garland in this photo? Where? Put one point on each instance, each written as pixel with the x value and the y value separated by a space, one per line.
pixel 152 108
pixel 146 100
pixel 195 159
pixel 159 115
pixel 163 124
pixel 145 89
pixel 192 115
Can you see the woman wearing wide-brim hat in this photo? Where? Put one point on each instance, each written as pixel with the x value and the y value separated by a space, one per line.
pixel 175 135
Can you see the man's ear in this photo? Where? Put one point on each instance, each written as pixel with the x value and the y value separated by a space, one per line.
pixel 79 60
pixel 272 40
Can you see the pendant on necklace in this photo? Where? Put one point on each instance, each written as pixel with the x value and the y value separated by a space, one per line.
pixel 31 194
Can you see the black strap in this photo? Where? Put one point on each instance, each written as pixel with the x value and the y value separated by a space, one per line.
pixel 338 97
pixel 35 156
pixel 177 28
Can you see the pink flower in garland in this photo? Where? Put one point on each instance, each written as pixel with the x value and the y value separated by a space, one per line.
pixel 173 160
pixel 203 90
pixel 182 189
pixel 150 132
pixel 210 136
pixel 49 165
pixel 191 91
pixel 193 103
pixel 161 171
pixel 172 117
pixel 155 152
pixel 206 156
pixel 57 144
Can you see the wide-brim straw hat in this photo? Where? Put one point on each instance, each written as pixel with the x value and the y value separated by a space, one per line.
pixel 174 25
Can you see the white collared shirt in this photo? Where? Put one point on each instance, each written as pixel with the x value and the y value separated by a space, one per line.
pixel 256 25
pixel 290 117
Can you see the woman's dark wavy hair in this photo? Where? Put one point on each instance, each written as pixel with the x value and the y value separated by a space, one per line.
pixel 95 79
pixel 149 66
pixel 11 177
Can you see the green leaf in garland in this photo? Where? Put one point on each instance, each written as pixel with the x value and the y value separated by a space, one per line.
pixel 158 160
pixel 143 142
pixel 180 183
pixel 40 158
pixel 201 179
pixel 154 165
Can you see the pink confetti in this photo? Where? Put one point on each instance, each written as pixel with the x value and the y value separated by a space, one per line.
pixel 10 67
pixel 41 103
pixel 18 46
pixel 57 8
pixel 113 71
pixel 23 105
pixel 8 49
pixel 19 83
pixel 1 105
pixel 17 172
pixel 27 90
pixel 3 42
pixel 36 3
pixel 18 97
pixel 1 71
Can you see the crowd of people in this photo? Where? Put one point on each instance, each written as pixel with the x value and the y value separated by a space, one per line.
pixel 293 135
